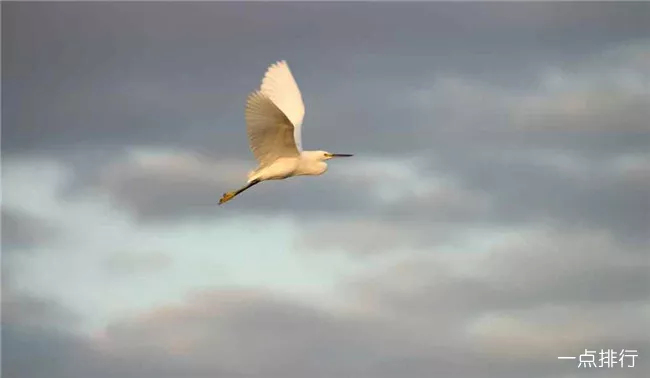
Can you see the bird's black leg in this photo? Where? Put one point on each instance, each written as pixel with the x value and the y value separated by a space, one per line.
pixel 230 195
pixel 249 185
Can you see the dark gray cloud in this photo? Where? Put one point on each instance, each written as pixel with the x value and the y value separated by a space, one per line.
pixel 170 74
pixel 528 303
pixel 575 269
pixel 87 82
pixel 590 196
pixel 19 308
pixel 21 231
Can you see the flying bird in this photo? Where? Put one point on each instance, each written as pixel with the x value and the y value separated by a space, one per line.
pixel 274 116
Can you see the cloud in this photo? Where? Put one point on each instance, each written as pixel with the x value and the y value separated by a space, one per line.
pixel 493 190
pixel 499 312
pixel 135 263
pixel 535 268
pixel 187 89
pixel 504 142
pixel 413 212
pixel 20 230
pixel 538 192
pixel 169 184
pixel 609 93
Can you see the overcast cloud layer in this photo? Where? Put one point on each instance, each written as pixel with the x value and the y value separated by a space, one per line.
pixel 495 215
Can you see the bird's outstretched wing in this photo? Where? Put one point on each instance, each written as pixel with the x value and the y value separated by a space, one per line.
pixel 270 132
pixel 281 88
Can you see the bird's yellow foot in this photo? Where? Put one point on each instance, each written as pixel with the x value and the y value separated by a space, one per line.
pixel 226 197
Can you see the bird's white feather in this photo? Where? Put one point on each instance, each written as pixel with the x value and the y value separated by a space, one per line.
pixel 280 87
pixel 270 132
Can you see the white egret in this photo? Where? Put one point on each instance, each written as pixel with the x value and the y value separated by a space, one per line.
pixel 274 116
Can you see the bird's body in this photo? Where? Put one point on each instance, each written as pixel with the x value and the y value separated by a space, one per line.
pixel 307 164
pixel 274 116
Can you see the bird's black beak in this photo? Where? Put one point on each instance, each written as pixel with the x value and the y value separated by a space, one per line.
pixel 341 155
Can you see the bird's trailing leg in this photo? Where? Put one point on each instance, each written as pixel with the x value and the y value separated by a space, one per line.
pixel 230 195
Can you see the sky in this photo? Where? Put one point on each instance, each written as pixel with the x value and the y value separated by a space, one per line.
pixel 495 215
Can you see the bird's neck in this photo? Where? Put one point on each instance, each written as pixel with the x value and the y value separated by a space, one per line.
pixel 310 164
pixel 310 155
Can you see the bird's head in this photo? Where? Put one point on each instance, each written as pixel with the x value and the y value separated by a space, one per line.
pixel 324 155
